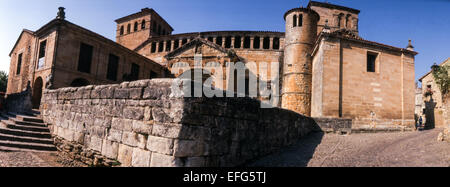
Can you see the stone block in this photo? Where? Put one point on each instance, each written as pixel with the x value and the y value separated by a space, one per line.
pixel 134 139
pixel 161 160
pixel 122 124
pixel 110 149
pixel 189 148
pixel 121 93
pixel 135 113
pixel 166 130
pixel 125 155
pixel 114 135
pixel 160 145
pixel 142 127
pixel 141 158
pixel 95 143
pixel 135 93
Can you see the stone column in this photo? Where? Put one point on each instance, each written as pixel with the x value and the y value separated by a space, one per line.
pixel 252 41
pixel 271 43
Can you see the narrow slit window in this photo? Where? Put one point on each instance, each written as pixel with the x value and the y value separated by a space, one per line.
pixel 41 59
pixel 161 46
pixel 176 44
pixel 294 24
pixel 136 25
pixel 19 64
pixel 143 24
pixel 228 42
pixel 371 62
pixel 168 45
pixel 276 43
pixel 237 42
pixel 153 50
pixel 247 42
pixel 266 43
pixel 300 20
pixel 85 58
pixel 219 41
pixel 128 29
pixel 121 30
pixel 256 43
pixel 113 66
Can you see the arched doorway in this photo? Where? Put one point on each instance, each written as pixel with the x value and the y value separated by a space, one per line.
pixel 79 83
pixel 37 92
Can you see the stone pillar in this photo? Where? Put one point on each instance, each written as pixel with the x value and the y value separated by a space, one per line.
pixel 233 39
pixel 271 43
pixel 242 42
pixel 252 41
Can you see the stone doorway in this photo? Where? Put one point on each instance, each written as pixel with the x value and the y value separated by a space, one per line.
pixel 37 92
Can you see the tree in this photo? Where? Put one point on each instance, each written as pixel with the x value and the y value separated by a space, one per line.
pixel 442 78
pixel 3 81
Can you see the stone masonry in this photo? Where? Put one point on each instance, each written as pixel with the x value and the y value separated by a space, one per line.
pixel 143 123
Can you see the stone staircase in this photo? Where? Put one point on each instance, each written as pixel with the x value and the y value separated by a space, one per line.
pixel 24 133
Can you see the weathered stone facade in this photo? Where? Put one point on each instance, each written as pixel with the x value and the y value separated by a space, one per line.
pixel 144 123
pixel 435 111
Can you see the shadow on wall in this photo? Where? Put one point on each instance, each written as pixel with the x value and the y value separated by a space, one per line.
pixel 430 107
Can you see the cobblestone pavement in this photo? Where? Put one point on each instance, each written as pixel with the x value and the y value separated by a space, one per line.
pixel 407 149
pixel 29 159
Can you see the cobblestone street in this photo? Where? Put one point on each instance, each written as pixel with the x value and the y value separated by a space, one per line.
pixel 408 149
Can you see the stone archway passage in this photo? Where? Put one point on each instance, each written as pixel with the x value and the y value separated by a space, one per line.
pixel 37 92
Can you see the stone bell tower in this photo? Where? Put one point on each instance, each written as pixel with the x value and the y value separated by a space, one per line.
pixel 301 30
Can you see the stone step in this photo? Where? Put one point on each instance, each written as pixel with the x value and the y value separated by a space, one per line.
pixel 26 139
pixel 27 145
pixel 13 125
pixel 24 133
pixel 15 149
pixel 27 123
pixel 29 118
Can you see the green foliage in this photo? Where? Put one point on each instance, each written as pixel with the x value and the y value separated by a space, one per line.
pixel 442 78
pixel 3 81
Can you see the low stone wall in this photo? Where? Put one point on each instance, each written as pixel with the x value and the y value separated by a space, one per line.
pixel 19 102
pixel 143 123
pixel 335 125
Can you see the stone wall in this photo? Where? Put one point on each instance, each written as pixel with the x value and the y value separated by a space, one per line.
pixel 19 102
pixel 143 123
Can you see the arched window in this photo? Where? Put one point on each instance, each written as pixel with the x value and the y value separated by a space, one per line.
pixel 211 39
pixel 143 24
pixel 348 20
pixel 300 20
pixel 184 41
pixel 276 43
pixel 294 24
pixel 121 30
pixel 128 29
pixel 136 25
pixel 256 43
pixel 266 43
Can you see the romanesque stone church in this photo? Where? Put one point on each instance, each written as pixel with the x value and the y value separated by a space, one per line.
pixel 326 69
